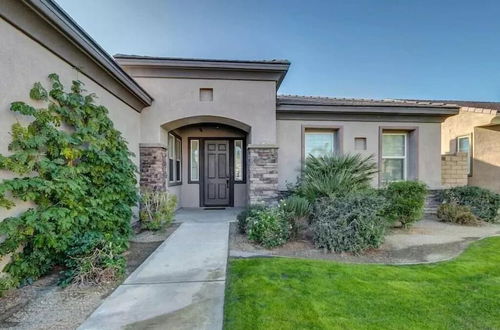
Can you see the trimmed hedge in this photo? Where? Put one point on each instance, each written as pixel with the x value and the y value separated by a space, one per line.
pixel 351 223
pixel 483 203
pixel 405 202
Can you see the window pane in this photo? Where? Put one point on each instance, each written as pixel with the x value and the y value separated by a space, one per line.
pixel 318 144
pixel 238 160
pixel 393 145
pixel 178 149
pixel 171 146
pixel 393 170
pixel 170 170
pixel 195 169
pixel 463 144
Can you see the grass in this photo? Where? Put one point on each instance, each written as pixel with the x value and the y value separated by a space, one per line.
pixel 279 293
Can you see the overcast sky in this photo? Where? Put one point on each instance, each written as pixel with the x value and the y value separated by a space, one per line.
pixel 430 49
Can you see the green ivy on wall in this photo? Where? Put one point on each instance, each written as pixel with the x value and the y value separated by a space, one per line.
pixel 75 167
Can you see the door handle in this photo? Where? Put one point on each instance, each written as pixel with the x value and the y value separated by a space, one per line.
pixel 227 183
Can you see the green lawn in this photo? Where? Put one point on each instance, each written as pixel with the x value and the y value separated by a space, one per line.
pixel 278 293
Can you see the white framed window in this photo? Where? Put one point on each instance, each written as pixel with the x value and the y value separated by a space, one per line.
pixel 463 145
pixel 238 160
pixel 174 159
pixel 319 143
pixel 194 160
pixel 394 156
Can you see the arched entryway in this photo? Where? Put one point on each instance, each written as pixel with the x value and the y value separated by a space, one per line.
pixel 206 161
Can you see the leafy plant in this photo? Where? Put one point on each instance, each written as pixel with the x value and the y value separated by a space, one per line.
pixel 330 176
pixel 157 209
pixel 353 222
pixel 297 211
pixel 406 200
pixel 7 282
pixel 268 227
pixel 249 212
pixel 458 214
pixel 75 166
pixel 92 259
pixel 483 203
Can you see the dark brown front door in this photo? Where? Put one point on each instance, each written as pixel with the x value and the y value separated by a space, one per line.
pixel 216 173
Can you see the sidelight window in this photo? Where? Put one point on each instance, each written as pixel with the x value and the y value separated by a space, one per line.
pixel 174 158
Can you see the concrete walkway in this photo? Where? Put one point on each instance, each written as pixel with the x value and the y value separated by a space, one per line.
pixel 181 285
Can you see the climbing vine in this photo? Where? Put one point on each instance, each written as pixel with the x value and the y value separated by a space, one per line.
pixel 75 167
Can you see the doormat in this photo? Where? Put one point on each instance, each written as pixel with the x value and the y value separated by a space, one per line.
pixel 214 208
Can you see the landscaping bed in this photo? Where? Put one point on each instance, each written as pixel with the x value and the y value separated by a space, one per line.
pixel 284 293
pixel 45 305
pixel 427 241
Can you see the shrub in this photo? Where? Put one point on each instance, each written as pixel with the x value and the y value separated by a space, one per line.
pixel 92 260
pixel 268 227
pixel 7 282
pixel 483 203
pixel 296 210
pixel 71 163
pixel 329 176
pixel 349 223
pixel 405 201
pixel 157 209
pixel 243 216
pixel 458 214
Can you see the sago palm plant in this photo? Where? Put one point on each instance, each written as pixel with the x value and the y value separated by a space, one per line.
pixel 333 175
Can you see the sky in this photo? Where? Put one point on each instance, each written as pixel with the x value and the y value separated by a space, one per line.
pixel 423 49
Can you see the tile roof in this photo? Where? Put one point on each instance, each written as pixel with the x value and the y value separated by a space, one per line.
pixel 334 101
pixel 470 104
pixel 142 57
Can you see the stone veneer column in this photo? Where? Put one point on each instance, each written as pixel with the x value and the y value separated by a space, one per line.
pixel 153 166
pixel 262 174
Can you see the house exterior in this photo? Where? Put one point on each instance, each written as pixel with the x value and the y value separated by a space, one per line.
pixel 214 132
pixel 475 131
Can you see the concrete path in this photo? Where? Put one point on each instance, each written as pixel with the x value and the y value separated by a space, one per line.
pixel 180 286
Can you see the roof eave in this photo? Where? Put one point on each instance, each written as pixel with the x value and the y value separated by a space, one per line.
pixel 280 68
pixel 357 109
pixel 58 18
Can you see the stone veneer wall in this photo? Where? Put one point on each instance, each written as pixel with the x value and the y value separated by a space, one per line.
pixel 262 174
pixel 153 166
pixel 454 170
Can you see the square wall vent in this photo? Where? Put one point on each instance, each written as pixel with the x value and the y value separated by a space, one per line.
pixel 206 94
pixel 360 143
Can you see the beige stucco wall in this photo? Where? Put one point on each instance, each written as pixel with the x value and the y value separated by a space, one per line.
pixel 188 194
pixel 486 161
pixel 24 62
pixel 250 102
pixel 290 146
pixel 460 125
pixel 485 144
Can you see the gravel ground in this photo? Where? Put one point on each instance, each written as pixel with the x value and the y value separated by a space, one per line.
pixel 427 241
pixel 44 305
